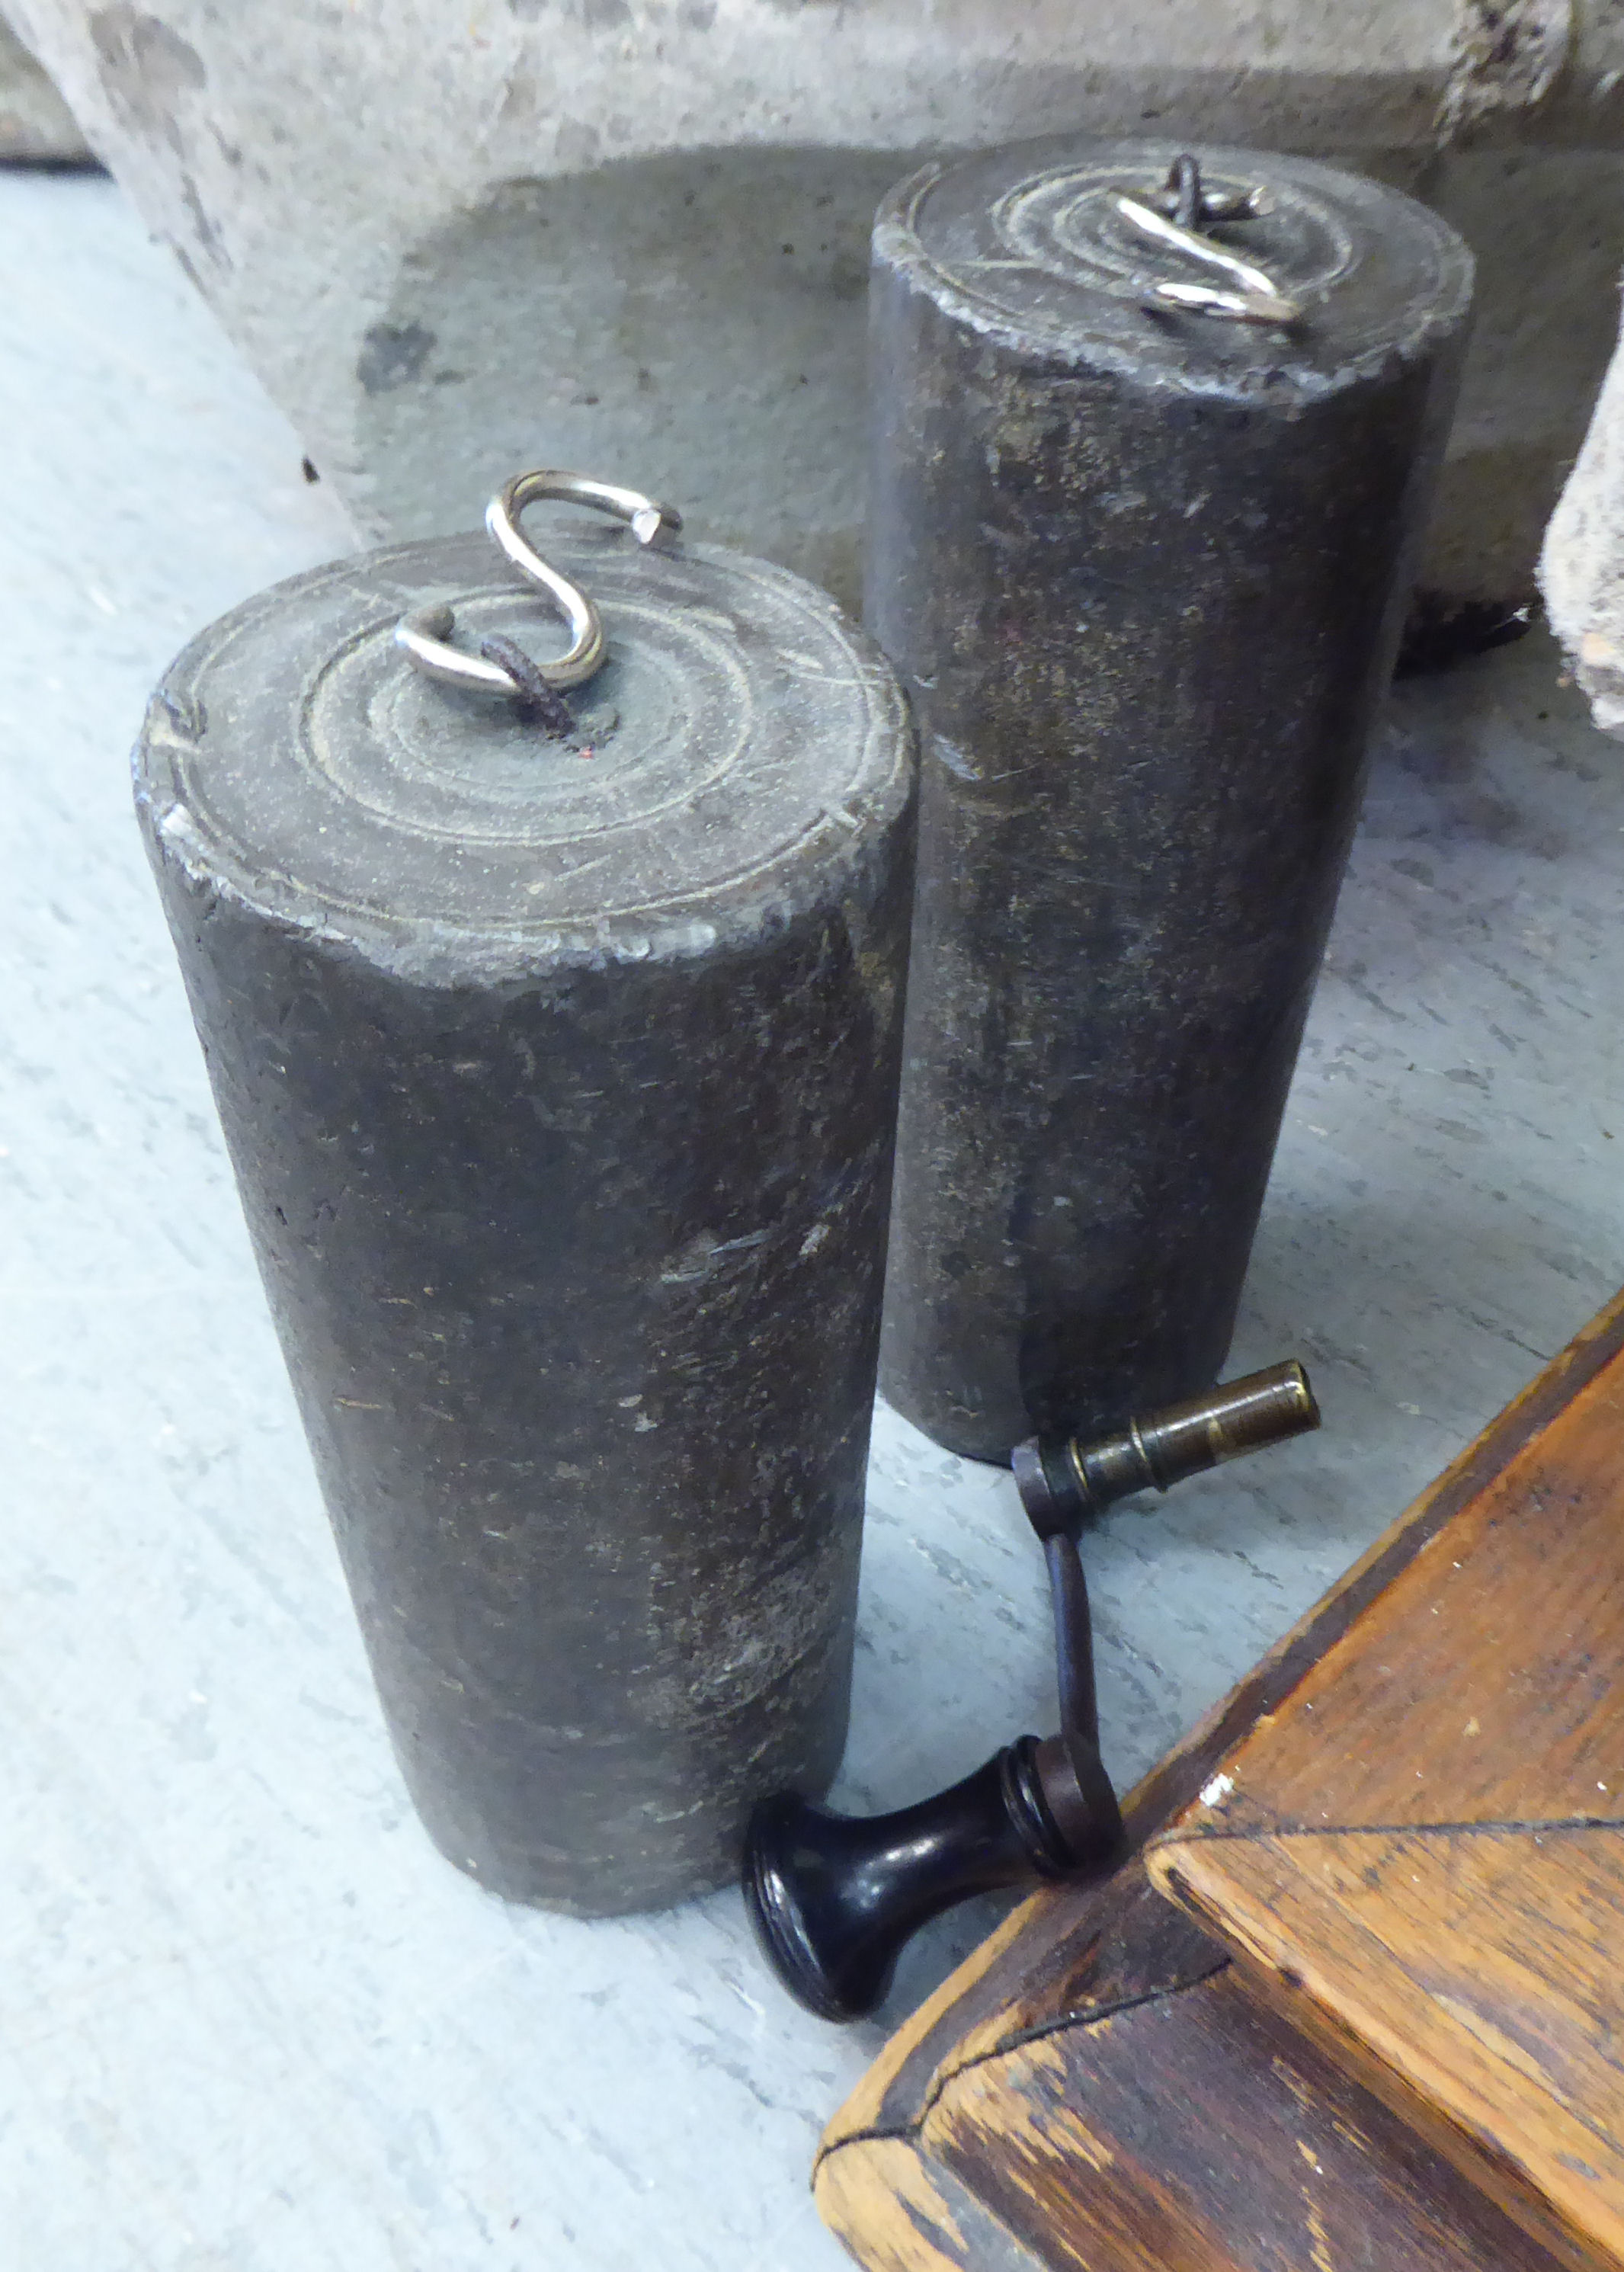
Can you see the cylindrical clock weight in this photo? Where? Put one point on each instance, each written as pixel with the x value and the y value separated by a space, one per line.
pixel 558 1073
pixel 1151 442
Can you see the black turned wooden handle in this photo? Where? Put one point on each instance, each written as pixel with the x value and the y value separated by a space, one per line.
pixel 834 1898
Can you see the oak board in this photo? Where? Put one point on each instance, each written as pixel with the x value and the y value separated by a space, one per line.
pixel 1160 2119
pixel 1422 1854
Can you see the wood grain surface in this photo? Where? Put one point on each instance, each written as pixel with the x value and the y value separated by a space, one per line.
pixel 909 2170
pixel 1423 1852
pixel 1163 2119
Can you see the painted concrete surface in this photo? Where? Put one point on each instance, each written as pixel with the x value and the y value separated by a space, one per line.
pixel 249 2021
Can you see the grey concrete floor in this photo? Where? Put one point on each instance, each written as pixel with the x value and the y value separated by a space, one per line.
pixel 249 2021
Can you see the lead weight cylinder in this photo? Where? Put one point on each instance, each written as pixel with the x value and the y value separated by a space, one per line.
pixel 1143 573
pixel 559 1080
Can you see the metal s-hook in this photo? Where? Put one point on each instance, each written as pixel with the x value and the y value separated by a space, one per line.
pixel 1259 299
pixel 500 667
pixel 642 515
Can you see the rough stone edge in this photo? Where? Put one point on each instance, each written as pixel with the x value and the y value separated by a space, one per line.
pixel 36 126
pixel 1506 57
pixel 1580 567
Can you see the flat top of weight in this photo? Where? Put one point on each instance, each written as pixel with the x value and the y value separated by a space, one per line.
pixel 740 736
pixel 1025 244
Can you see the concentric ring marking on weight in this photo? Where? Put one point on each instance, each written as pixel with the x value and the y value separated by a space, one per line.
pixel 309 852
pixel 1062 221
pixel 543 773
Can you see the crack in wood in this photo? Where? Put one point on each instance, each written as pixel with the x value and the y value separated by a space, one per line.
pixel 1256 1835
pixel 1062 2022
